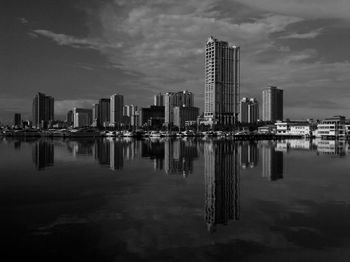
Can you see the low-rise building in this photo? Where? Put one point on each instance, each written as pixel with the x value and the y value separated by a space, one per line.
pixel 182 114
pixel 333 127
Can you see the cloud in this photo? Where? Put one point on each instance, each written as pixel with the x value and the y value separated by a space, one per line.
pixel 75 42
pixel 307 9
pixel 63 106
pixel 309 35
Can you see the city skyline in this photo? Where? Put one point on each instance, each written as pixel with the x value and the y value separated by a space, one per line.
pixel 301 48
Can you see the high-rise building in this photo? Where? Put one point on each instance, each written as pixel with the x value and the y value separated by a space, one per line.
pixel 159 100
pixel 182 114
pixel 152 116
pixel 70 117
pixel 172 99
pixel 43 110
pixel 117 104
pixel 272 104
pixel 95 112
pixel 222 81
pixel 131 115
pixel 249 110
pixel 82 117
pixel 18 119
pixel 104 112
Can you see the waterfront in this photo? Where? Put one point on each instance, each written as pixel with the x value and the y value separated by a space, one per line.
pixel 184 199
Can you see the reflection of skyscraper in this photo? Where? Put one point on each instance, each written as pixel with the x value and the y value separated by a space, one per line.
pixel 272 162
pixel 43 154
pixel 154 150
pixel 221 171
pixel 249 154
pixel 179 156
pixel 102 152
pixel 116 155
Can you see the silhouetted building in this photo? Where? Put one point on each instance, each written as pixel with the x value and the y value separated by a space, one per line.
pixel 43 154
pixel 172 99
pixel 18 120
pixel 82 117
pixel 116 106
pixel 222 174
pixel 42 110
pixel 182 114
pixel 104 112
pixel 272 104
pixel 159 100
pixel 272 162
pixel 152 116
pixel 222 80
pixel 249 110
pixel 70 118
pixel 95 114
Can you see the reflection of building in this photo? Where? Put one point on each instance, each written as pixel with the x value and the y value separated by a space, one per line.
pixel 43 110
pixel 221 82
pixel 179 156
pixel 102 152
pixel 221 172
pixel 272 104
pixel 154 150
pixel 116 155
pixel 272 162
pixel 43 154
pixel 331 147
pixel 249 154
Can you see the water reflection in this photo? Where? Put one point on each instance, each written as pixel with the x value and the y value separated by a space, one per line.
pixel 43 154
pixel 249 154
pixel 272 160
pixel 221 173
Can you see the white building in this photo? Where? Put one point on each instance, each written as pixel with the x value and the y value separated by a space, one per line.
pixel 293 128
pixel 333 127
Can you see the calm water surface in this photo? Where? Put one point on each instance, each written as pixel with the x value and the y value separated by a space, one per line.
pixel 174 200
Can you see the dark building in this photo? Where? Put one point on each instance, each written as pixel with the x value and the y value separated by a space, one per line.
pixel 43 110
pixel 272 106
pixel 18 120
pixel 104 112
pixel 70 117
pixel 152 116
pixel 222 174
pixel 183 114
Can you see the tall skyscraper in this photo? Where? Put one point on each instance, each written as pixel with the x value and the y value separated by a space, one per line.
pixel 249 110
pixel 116 107
pixel 43 110
pixel 104 112
pixel 95 112
pixel 222 81
pixel 272 107
pixel 172 99
pixel 18 120
pixel 159 100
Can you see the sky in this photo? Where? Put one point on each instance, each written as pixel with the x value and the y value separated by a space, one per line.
pixel 81 50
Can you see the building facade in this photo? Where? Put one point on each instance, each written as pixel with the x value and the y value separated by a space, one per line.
pixel 183 114
pixel 116 109
pixel 222 81
pixel 272 107
pixel 152 116
pixel 17 120
pixel 82 117
pixel 172 99
pixel 104 112
pixel 42 110
pixel 249 110
pixel 158 100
